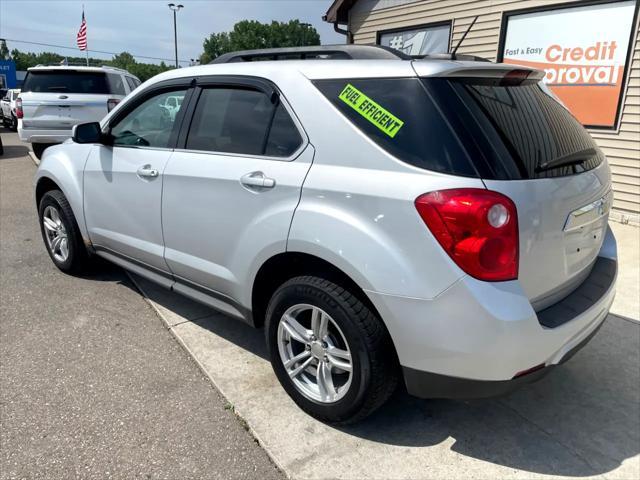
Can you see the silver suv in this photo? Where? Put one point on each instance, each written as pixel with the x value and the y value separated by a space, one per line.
pixel 439 221
pixel 55 98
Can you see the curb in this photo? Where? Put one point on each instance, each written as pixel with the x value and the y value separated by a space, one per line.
pixel 202 368
pixel 34 158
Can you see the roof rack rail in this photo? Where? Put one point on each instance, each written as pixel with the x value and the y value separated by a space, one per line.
pixel 114 68
pixel 331 52
pixel 58 64
pixel 80 65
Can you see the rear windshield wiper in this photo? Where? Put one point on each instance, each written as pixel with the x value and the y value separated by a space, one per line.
pixel 575 158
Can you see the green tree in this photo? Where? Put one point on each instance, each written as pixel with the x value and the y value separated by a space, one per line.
pixel 143 71
pixel 214 46
pixel 4 51
pixel 123 60
pixel 251 34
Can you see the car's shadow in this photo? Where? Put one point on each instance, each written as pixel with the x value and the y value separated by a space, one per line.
pixel 13 151
pixel 583 419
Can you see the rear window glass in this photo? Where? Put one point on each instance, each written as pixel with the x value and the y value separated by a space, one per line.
pixel 66 81
pixel 400 116
pixel 541 135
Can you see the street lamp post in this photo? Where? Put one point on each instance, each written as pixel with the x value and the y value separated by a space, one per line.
pixel 175 8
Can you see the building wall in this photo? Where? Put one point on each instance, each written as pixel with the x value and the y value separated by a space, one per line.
pixel 622 147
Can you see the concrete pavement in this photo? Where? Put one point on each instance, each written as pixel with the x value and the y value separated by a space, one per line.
pixel 91 383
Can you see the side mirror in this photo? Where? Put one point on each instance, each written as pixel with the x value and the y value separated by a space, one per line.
pixel 87 133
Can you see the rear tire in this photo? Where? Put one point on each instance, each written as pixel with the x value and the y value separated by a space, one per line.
pixel 14 123
pixel 61 234
pixel 351 367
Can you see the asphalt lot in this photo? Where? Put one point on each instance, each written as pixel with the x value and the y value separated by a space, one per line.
pixel 90 377
pixel 92 385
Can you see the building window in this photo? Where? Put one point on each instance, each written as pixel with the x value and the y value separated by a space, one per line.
pixel 418 40
pixel 584 51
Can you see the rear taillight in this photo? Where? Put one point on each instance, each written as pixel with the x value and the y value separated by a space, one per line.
pixel 477 228
pixel 19 112
pixel 111 104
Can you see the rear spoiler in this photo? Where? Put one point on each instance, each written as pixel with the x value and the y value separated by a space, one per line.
pixel 511 71
pixel 477 70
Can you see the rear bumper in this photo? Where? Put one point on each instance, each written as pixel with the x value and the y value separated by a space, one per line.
pixel 432 385
pixel 473 339
pixel 35 135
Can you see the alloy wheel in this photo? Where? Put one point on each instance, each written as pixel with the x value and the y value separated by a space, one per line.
pixel 56 234
pixel 315 353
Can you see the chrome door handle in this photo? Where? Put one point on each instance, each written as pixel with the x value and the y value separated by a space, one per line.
pixel 257 180
pixel 147 171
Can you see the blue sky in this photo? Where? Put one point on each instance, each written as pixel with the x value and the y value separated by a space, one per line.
pixel 145 27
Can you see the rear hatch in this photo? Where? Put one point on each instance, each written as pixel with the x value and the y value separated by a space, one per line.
pixel 61 98
pixel 527 145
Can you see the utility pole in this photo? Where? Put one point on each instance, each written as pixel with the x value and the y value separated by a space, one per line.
pixel 174 8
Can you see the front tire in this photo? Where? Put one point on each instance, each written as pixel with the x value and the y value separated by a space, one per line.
pixel 330 352
pixel 61 234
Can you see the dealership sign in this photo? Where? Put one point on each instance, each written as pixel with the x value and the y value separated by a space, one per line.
pixel 7 74
pixel 418 41
pixel 583 51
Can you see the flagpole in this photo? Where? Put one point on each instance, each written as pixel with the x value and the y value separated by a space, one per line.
pixel 86 51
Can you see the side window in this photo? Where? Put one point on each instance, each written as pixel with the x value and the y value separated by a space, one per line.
pixel 131 82
pixel 116 86
pixel 149 124
pixel 284 137
pixel 231 121
pixel 234 120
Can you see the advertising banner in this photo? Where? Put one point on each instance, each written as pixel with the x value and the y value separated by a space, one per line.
pixel 583 51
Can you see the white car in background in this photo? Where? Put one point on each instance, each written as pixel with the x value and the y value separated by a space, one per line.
pixel 8 109
pixel 55 98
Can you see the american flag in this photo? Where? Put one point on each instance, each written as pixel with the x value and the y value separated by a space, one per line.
pixel 82 34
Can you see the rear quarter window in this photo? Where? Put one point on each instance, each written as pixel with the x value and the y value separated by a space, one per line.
pixel 65 81
pixel 116 84
pixel 133 83
pixel 399 115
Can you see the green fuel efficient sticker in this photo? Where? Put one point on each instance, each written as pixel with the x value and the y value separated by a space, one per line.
pixel 372 111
